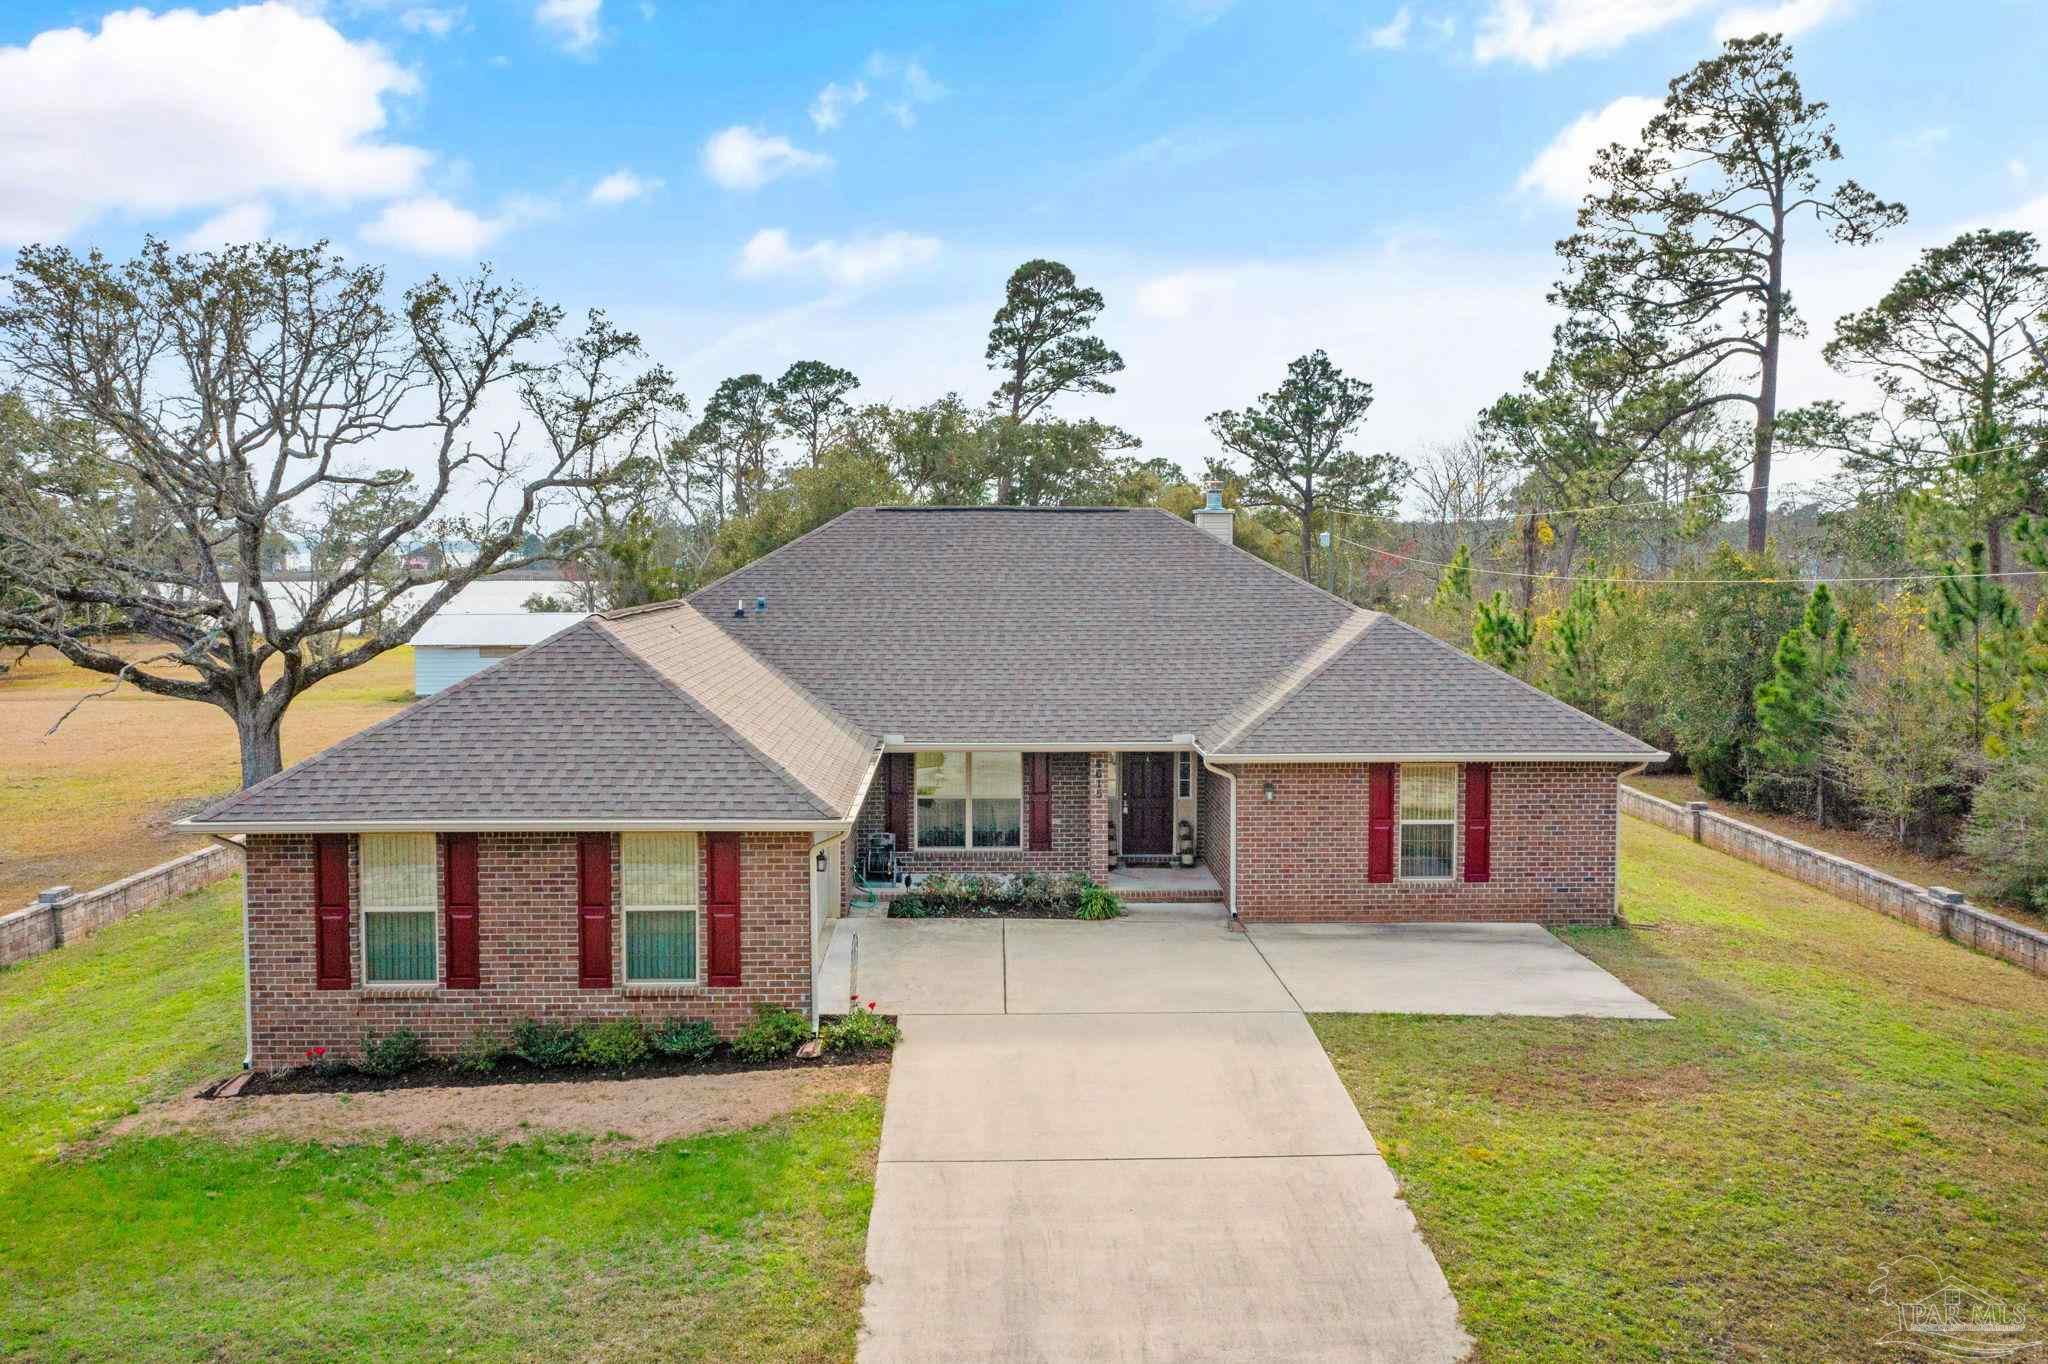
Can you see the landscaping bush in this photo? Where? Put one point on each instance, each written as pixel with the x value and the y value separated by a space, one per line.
pixel 612 1046
pixel 1097 902
pixel 863 1031
pixel 392 1055
pixel 774 1032
pixel 547 1045
pixel 481 1053
pixel 685 1039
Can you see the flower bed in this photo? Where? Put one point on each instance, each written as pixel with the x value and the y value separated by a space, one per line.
pixel 540 1053
pixel 1027 895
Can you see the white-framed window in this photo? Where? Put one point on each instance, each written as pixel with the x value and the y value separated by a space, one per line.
pixel 970 800
pixel 401 904
pixel 1187 775
pixel 658 897
pixel 1429 820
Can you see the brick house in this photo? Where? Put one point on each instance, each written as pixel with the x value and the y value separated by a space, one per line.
pixel 657 812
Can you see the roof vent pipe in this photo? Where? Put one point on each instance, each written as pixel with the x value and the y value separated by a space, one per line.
pixel 739 609
pixel 760 606
pixel 1215 518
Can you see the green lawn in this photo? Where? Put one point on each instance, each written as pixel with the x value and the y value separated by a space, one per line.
pixel 1837 1091
pixel 743 1246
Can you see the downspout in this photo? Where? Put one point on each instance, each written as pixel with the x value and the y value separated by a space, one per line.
pixel 248 982
pixel 1230 891
pixel 1617 834
pixel 819 845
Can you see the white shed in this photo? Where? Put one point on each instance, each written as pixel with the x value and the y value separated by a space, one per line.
pixel 455 644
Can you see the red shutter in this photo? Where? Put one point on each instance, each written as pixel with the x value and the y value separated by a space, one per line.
pixel 722 853
pixel 1038 776
pixel 1478 821
pixel 594 911
pixel 1379 840
pixel 898 765
pixel 330 911
pixel 459 908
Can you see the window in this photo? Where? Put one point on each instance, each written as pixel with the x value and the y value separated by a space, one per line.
pixel 1429 816
pixel 658 895
pixel 401 939
pixel 970 800
pixel 1187 768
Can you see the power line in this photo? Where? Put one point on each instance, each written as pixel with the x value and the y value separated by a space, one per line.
pixel 1693 582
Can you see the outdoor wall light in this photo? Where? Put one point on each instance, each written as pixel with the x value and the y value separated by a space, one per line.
pixel 821 859
pixel 1269 790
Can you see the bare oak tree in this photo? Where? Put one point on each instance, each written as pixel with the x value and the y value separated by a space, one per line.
pixel 224 390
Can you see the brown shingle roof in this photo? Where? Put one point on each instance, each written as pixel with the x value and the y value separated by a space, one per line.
pixel 1093 627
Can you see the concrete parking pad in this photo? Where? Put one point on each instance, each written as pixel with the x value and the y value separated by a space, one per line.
pixel 1124 967
pixel 929 966
pixel 1244 1261
pixel 1116 1087
pixel 1442 969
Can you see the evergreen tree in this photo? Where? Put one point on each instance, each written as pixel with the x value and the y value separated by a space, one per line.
pixel 1798 708
pixel 1501 634
pixel 1454 583
pixel 1977 624
pixel 1575 647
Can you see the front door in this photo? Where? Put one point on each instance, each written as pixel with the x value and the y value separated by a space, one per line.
pixel 1148 804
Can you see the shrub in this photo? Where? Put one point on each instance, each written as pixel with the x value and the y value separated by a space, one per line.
pixel 863 1031
pixel 686 1039
pixel 393 1055
pixel 1097 902
pixel 547 1045
pixel 612 1046
pixel 481 1053
pixel 774 1032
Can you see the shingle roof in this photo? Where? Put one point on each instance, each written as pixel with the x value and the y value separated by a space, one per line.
pixel 577 729
pixel 1092 627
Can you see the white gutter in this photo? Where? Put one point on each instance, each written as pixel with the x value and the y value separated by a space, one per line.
pixel 596 824
pixel 1643 759
pixel 1229 891
pixel 1617 834
pixel 248 962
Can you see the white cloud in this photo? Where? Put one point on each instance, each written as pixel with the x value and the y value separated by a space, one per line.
pixel 747 158
pixel 1789 17
pixel 429 225
pixel 434 22
pixel 158 114
pixel 573 23
pixel 1923 139
pixel 769 253
pixel 828 110
pixel 1559 171
pixel 1183 293
pixel 915 84
pixel 623 186
pixel 2017 170
pixel 232 226
pixel 1540 32
pixel 1394 33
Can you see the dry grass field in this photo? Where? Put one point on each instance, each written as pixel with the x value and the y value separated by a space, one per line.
pixel 94 801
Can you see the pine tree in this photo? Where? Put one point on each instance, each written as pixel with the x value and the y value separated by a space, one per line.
pixel 1454 582
pixel 1575 646
pixel 1501 634
pixel 1977 624
pixel 1798 708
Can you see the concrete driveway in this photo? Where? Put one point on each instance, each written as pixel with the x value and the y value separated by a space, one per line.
pixel 1122 1142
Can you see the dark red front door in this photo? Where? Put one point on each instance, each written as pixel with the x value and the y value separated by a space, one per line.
pixel 1148 804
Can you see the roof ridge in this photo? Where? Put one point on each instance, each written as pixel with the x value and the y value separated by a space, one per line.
pixel 1311 666
pixel 424 703
pixel 789 778
pixel 751 564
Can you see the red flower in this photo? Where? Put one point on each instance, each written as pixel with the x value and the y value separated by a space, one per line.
pixel 316 1052
pixel 871 1004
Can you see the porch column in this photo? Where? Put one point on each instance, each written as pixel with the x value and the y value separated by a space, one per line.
pixel 1099 814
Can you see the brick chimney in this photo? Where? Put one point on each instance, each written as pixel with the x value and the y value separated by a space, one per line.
pixel 1215 518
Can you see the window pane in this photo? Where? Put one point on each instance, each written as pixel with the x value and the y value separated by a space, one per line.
pixel 941 774
pixel 661 945
pixel 398 946
pixel 941 823
pixel 398 871
pixel 1429 791
pixel 657 869
pixel 1426 850
pixel 998 823
pixel 999 774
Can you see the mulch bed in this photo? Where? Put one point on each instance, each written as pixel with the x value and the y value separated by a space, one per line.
pixel 513 1071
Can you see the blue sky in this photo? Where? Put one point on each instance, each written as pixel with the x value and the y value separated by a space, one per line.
pixel 748 184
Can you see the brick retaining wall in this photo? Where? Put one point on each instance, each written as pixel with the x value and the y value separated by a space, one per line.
pixel 40 927
pixel 1931 908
